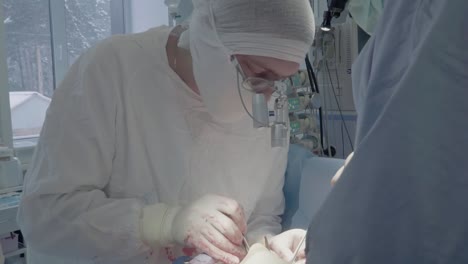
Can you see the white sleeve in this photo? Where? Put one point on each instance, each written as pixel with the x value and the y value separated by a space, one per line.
pixel 64 210
pixel 266 217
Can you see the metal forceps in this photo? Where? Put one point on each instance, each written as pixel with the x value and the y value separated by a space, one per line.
pixel 245 244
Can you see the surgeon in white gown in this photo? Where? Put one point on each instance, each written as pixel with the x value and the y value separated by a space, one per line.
pixel 147 154
pixel 403 197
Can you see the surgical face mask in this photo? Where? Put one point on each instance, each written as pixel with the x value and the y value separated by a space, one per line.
pixel 260 112
pixel 215 75
pixel 366 13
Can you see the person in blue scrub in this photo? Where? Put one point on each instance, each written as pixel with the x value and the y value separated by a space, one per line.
pixel 403 197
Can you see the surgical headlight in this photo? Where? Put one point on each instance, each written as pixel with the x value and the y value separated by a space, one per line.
pixel 326 24
pixel 260 113
pixel 335 7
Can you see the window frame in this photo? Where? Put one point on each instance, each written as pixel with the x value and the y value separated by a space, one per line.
pixel 6 132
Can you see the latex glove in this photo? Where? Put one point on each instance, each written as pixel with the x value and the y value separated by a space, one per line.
pixel 285 245
pixel 259 254
pixel 340 171
pixel 213 224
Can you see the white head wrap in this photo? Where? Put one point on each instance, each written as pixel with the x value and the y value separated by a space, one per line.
pixel 282 29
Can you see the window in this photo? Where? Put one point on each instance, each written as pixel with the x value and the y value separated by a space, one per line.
pixel 43 38
pixel 29 63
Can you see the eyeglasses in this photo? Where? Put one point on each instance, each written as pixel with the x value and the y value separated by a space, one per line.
pixel 258 85
pixel 255 84
pixel 260 113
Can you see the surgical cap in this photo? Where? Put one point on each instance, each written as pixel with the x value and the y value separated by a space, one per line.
pixel 282 29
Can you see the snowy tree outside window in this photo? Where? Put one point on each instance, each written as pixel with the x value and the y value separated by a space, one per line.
pixel 88 22
pixel 28 44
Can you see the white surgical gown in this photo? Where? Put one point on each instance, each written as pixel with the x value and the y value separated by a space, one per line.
pixel 403 198
pixel 123 131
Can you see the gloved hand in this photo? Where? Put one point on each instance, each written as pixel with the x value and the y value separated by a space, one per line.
pixel 285 245
pixel 259 254
pixel 213 224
